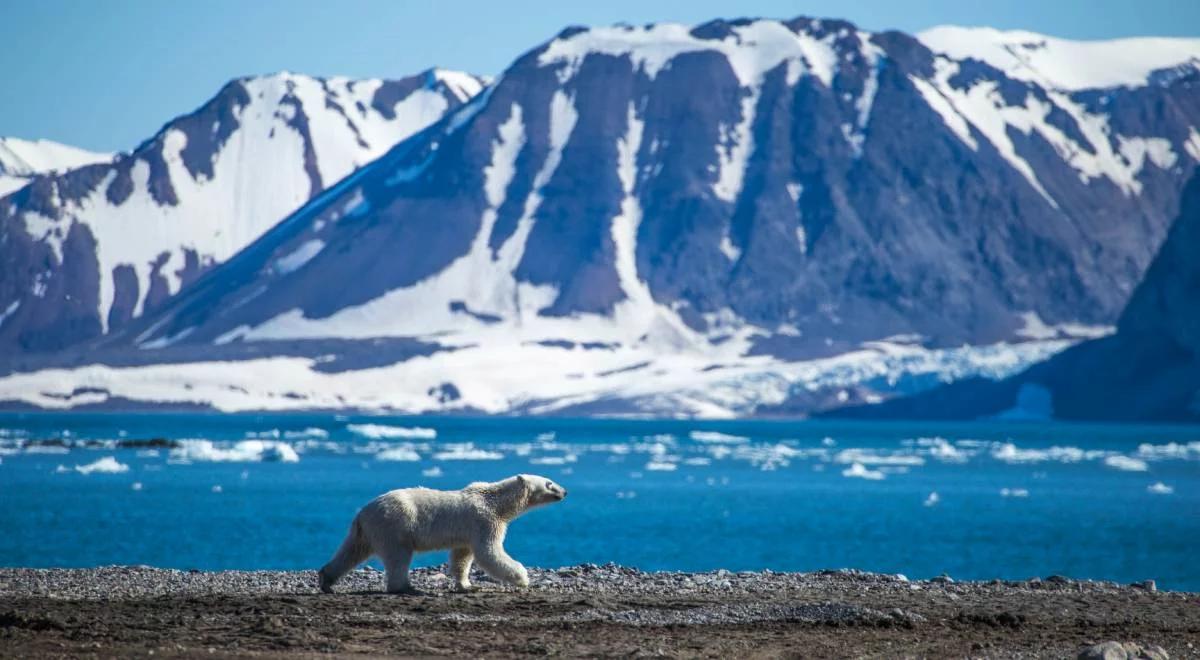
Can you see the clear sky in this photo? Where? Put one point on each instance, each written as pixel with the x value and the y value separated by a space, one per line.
pixel 106 74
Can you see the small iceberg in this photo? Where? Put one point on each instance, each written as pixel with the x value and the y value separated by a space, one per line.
pixel 718 437
pixel 1159 488
pixel 246 451
pixel 933 499
pixel 106 465
pixel 398 454
pixel 434 471
pixel 381 431
pixel 860 471
pixel 1126 463
pixel 466 453
pixel 1014 492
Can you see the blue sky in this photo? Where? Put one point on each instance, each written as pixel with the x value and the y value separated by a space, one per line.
pixel 107 74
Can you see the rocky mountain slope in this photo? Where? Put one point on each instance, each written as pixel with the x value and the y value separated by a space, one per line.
pixel 715 220
pixel 21 160
pixel 84 251
pixel 1149 370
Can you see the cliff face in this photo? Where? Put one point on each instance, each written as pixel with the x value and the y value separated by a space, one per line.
pixel 1148 371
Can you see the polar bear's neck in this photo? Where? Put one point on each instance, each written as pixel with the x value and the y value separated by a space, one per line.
pixel 508 498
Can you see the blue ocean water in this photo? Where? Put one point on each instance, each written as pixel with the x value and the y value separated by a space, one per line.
pixel 976 501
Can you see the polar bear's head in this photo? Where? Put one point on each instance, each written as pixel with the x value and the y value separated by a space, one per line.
pixel 541 490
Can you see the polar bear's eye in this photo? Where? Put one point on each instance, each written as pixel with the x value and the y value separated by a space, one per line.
pixel 549 485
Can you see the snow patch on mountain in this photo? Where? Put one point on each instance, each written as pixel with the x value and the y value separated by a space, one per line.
pixel 1064 64
pixel 22 159
pixel 27 157
pixel 982 106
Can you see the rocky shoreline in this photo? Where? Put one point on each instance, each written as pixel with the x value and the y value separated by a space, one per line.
pixel 584 610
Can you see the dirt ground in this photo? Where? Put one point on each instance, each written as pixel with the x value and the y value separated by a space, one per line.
pixel 579 611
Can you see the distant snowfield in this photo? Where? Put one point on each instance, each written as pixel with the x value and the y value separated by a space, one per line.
pixel 521 378
pixel 22 159
pixel 1064 64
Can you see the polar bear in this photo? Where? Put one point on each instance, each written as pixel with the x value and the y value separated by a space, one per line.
pixel 470 523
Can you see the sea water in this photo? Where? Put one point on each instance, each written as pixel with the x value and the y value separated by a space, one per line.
pixel 975 501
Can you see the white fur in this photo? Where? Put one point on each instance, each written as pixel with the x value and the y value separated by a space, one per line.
pixel 470 523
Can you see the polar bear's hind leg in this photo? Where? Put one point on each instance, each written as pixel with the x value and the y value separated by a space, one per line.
pixel 395 563
pixel 355 549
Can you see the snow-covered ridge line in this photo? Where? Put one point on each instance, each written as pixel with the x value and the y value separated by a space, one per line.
pixel 1064 64
pixel 20 160
pixel 752 48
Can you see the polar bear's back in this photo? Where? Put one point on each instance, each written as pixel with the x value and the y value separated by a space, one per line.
pixel 423 518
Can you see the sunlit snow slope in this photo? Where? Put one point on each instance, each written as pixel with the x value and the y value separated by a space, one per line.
pixel 85 251
pixel 21 159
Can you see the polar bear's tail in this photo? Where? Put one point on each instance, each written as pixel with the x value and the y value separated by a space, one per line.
pixel 355 549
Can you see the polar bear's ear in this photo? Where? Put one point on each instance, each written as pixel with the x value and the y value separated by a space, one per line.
pixel 521 480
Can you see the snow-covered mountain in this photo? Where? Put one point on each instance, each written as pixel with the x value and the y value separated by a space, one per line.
pixel 84 251
pixel 741 217
pixel 21 159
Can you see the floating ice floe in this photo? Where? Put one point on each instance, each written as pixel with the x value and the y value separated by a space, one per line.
pixel 106 465
pixel 466 453
pixel 1171 450
pixel 1014 492
pixel 1010 453
pixel 434 471
pixel 860 471
pixel 1159 488
pixel 932 499
pixel 137 485
pixel 398 454
pixel 942 450
pixel 661 466
pixel 1126 463
pixel 311 433
pixel 217 489
pixel 46 449
pixel 717 437
pixel 377 431
pixel 246 451
pixel 868 457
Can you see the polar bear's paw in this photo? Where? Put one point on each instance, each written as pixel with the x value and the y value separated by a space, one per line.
pixel 325 584
pixel 521 580
pixel 465 588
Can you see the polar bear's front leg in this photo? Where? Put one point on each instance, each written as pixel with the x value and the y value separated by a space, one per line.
pixel 490 554
pixel 460 568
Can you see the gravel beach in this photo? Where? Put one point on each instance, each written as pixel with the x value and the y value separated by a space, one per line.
pixel 581 610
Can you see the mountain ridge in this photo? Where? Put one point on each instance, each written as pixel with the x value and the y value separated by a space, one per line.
pixel 834 215
pixel 90 249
